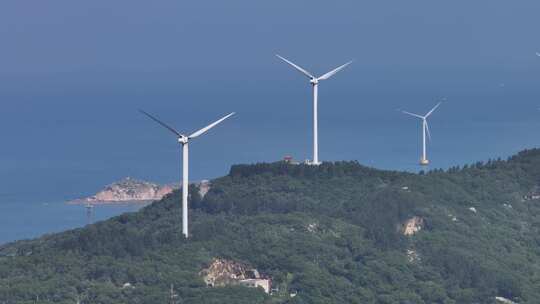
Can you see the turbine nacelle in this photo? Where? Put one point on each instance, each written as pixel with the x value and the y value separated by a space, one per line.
pixel 183 140
pixel 312 79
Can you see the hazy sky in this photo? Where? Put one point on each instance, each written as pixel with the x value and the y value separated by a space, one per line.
pixel 58 38
pixel 73 74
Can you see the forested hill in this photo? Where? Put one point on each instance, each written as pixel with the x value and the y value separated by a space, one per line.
pixel 336 233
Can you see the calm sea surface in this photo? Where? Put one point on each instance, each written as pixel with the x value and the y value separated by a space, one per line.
pixel 32 219
pixel 67 144
pixel 73 76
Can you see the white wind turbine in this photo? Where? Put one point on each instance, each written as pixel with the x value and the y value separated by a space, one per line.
pixel 425 129
pixel 184 140
pixel 315 83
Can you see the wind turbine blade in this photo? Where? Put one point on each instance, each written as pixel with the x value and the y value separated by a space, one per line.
pixel 162 124
pixel 203 130
pixel 427 130
pixel 334 71
pixel 412 114
pixel 308 74
pixel 434 108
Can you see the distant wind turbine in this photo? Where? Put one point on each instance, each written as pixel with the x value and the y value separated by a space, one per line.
pixel 184 140
pixel 425 130
pixel 315 83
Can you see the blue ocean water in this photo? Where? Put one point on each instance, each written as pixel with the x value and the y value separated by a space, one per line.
pixel 55 151
pixel 32 219
pixel 74 75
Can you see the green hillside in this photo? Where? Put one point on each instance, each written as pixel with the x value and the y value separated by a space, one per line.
pixel 329 234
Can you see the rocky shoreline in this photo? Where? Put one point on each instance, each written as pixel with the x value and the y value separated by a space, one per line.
pixel 127 190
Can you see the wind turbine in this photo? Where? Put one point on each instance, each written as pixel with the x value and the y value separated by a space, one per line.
pixel 184 141
pixel 315 83
pixel 425 130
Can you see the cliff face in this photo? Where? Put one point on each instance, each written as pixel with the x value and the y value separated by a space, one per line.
pixel 222 272
pixel 412 226
pixel 128 190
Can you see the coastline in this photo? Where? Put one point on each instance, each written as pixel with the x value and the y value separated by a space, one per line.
pixel 80 202
pixel 53 216
pixel 128 191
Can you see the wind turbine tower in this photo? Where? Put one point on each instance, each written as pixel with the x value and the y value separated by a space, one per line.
pixel 314 81
pixel 89 213
pixel 425 131
pixel 184 141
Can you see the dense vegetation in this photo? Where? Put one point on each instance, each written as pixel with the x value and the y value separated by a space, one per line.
pixel 329 233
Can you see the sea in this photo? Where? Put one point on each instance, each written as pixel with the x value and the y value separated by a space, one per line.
pixel 33 219
pixel 68 143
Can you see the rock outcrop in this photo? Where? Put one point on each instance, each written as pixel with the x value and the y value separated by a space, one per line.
pixel 534 194
pixel 504 300
pixel 128 190
pixel 204 187
pixel 222 272
pixel 413 256
pixel 412 226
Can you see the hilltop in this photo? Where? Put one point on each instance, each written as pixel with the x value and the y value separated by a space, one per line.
pixel 337 233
